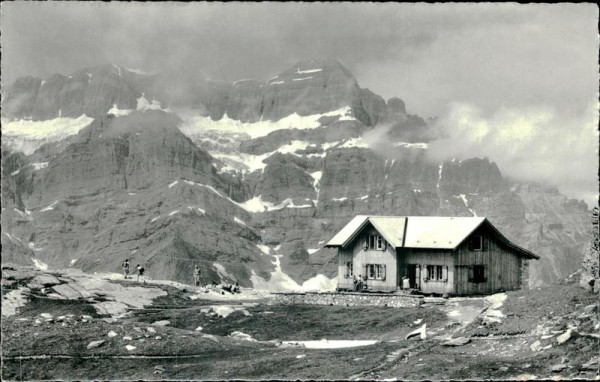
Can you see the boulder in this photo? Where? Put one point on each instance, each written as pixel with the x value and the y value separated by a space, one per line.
pixel 564 337
pixel 421 332
pixel 45 280
pixel 95 344
pixel 66 291
pixel 210 337
pixel 111 334
pixel 558 368
pixel 161 323
pixel 130 347
pixel 459 341
pixel 536 346
pixel 590 309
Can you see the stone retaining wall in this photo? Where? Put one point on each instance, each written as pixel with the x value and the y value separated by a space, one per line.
pixel 350 299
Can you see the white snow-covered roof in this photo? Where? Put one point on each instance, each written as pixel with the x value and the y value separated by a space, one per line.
pixel 391 228
pixel 439 232
pixel 433 232
pixel 348 232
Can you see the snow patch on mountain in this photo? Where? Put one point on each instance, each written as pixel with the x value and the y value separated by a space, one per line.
pixel 194 124
pixel 248 162
pixel 39 165
pixel 27 136
pixel 50 207
pixel 239 221
pixel 144 104
pixel 301 79
pixel 222 272
pixel 418 145
pixel 264 248
pixel 354 142
pixel 256 204
pixel 308 71
pixel 464 199
pixel 119 112
pixel 39 264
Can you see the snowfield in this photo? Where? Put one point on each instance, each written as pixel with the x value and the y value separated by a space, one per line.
pixel 281 282
pixel 194 124
pixel 27 136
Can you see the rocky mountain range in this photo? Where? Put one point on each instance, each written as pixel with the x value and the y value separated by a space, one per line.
pixel 247 179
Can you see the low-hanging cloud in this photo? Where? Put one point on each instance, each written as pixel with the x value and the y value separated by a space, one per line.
pixel 528 144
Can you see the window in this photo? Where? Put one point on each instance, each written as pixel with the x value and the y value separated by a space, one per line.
pixel 375 242
pixel 437 273
pixel 375 271
pixel 477 274
pixel 476 243
pixel 349 269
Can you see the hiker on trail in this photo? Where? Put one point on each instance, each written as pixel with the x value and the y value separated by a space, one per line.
pixel 236 288
pixel 140 271
pixel 197 273
pixel 125 267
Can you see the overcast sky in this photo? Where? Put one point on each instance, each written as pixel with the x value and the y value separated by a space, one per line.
pixel 494 60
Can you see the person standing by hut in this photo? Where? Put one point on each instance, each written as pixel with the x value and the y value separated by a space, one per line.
pixel 197 273
pixel 140 273
pixel 125 267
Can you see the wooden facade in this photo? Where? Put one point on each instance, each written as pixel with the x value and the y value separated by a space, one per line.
pixel 483 263
pixel 360 258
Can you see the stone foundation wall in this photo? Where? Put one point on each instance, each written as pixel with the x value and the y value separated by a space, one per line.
pixel 350 299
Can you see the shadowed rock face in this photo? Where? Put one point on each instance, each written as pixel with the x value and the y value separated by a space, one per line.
pixel 134 186
pixel 310 87
pixel 90 91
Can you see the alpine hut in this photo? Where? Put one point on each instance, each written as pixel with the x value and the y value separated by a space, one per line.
pixel 437 255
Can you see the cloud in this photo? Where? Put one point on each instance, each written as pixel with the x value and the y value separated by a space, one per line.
pixel 532 65
pixel 528 144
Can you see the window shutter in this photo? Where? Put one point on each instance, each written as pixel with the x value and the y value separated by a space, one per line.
pixel 366 273
pixel 445 273
pixel 417 276
pixel 366 243
pixel 384 244
pixel 383 272
pixel 471 273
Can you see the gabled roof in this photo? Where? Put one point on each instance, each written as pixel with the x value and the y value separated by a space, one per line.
pixel 433 232
pixel 390 227
pixel 439 232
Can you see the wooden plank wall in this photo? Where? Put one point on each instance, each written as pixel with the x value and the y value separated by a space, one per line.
pixel 344 256
pixel 425 257
pixel 360 258
pixel 502 267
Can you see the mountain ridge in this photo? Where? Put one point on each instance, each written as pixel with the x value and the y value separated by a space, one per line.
pixel 168 189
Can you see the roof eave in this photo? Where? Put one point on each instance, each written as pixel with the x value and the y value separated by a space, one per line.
pixel 520 251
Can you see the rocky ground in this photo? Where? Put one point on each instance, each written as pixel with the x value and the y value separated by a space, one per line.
pixel 71 325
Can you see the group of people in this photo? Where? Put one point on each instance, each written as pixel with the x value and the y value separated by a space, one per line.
pixel 139 268
pixel 360 283
pixel 197 274
pixel 228 288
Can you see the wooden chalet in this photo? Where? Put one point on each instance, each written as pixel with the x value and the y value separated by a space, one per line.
pixel 439 255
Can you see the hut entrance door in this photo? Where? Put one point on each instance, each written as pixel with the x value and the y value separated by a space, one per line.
pixel 414 275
